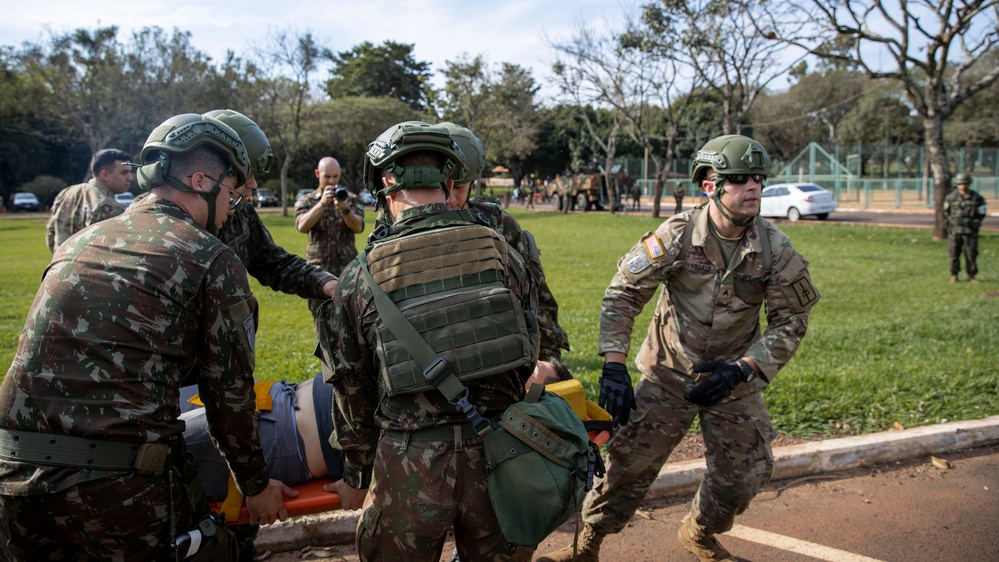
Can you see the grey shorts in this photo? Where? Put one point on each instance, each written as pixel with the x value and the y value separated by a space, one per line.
pixel 279 438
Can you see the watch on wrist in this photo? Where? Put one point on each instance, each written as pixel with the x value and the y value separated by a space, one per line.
pixel 345 211
pixel 748 372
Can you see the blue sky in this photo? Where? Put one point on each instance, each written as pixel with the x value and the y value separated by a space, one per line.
pixel 512 31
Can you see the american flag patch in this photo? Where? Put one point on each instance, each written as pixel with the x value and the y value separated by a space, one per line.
pixel 653 247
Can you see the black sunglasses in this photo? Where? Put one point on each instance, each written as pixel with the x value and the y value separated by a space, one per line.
pixel 740 179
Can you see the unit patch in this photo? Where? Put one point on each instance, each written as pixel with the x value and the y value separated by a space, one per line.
pixel 805 291
pixel 251 332
pixel 638 263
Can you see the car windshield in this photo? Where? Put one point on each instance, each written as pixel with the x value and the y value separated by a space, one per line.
pixel 809 187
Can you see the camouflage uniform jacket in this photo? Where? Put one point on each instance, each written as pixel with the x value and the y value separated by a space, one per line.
pixel 964 213
pixel 362 409
pixel 331 241
pixel 553 338
pixel 77 207
pixel 708 311
pixel 123 312
pixel 269 263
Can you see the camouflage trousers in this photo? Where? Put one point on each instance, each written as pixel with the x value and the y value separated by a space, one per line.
pixel 968 245
pixel 737 436
pixel 420 491
pixel 119 518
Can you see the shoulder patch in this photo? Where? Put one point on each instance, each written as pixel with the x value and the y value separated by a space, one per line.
pixel 653 247
pixel 251 333
pixel 638 263
pixel 805 291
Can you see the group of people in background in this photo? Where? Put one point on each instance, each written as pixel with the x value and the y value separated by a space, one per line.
pixel 142 308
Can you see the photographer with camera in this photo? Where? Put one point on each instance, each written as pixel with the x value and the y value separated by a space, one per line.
pixel 331 216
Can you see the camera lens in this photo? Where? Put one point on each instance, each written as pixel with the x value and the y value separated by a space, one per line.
pixel 340 193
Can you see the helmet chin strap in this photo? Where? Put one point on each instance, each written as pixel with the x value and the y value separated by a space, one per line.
pixel 210 197
pixel 725 211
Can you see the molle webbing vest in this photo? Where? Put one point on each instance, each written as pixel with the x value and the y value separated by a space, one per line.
pixel 449 284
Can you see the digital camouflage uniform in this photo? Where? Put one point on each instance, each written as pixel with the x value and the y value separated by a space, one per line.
pixel 123 312
pixel 553 338
pixel 77 207
pixel 269 263
pixel 331 241
pixel 964 215
pixel 420 487
pixel 707 312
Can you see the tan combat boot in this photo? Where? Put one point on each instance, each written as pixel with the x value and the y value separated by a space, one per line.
pixel 953 278
pixel 702 545
pixel 973 281
pixel 587 551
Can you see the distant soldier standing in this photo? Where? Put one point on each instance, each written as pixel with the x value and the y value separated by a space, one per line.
pixel 678 197
pixel 964 211
pixel 81 205
pixel 705 355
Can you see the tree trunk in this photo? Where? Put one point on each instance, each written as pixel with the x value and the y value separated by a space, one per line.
pixel 936 156
pixel 285 166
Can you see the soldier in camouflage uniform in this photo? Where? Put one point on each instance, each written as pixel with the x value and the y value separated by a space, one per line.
pixel 92 464
pixel 553 338
pixel 964 211
pixel 330 221
pixel 270 264
pixel 705 355
pixel 247 236
pixel 80 206
pixel 417 453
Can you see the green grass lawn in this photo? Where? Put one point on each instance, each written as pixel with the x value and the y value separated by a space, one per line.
pixel 890 342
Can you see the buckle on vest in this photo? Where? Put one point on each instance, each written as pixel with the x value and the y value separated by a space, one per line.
pixel 437 371
pixel 151 457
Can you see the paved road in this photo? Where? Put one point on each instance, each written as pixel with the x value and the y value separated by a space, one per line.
pixel 899 512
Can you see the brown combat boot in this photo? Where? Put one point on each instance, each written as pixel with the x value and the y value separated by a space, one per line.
pixel 953 278
pixel 702 545
pixel 587 551
pixel 973 281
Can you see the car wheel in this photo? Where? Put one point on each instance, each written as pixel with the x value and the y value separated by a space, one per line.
pixel 793 214
pixel 822 216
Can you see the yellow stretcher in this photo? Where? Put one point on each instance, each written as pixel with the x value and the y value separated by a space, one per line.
pixel 312 498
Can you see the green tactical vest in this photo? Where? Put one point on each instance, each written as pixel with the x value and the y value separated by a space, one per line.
pixel 450 283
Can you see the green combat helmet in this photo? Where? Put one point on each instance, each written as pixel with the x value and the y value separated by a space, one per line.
pixel 471 146
pixel 257 145
pixel 727 155
pixel 962 178
pixel 404 138
pixel 185 132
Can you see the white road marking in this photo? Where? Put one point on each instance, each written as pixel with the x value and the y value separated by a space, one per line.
pixel 796 545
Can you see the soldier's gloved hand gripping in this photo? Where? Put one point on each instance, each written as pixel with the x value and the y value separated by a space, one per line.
pixel 723 380
pixel 617 396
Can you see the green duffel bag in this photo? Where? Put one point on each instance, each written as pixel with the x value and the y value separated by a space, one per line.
pixel 541 463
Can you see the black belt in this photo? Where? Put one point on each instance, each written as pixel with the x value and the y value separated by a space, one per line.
pixel 80 452
pixel 451 433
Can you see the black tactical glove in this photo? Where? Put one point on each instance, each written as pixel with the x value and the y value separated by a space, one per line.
pixel 725 377
pixel 616 393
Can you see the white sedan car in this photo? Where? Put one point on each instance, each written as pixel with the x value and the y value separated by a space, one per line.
pixel 795 200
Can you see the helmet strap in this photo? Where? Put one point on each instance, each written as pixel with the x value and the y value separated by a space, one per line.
pixel 210 197
pixel 725 211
